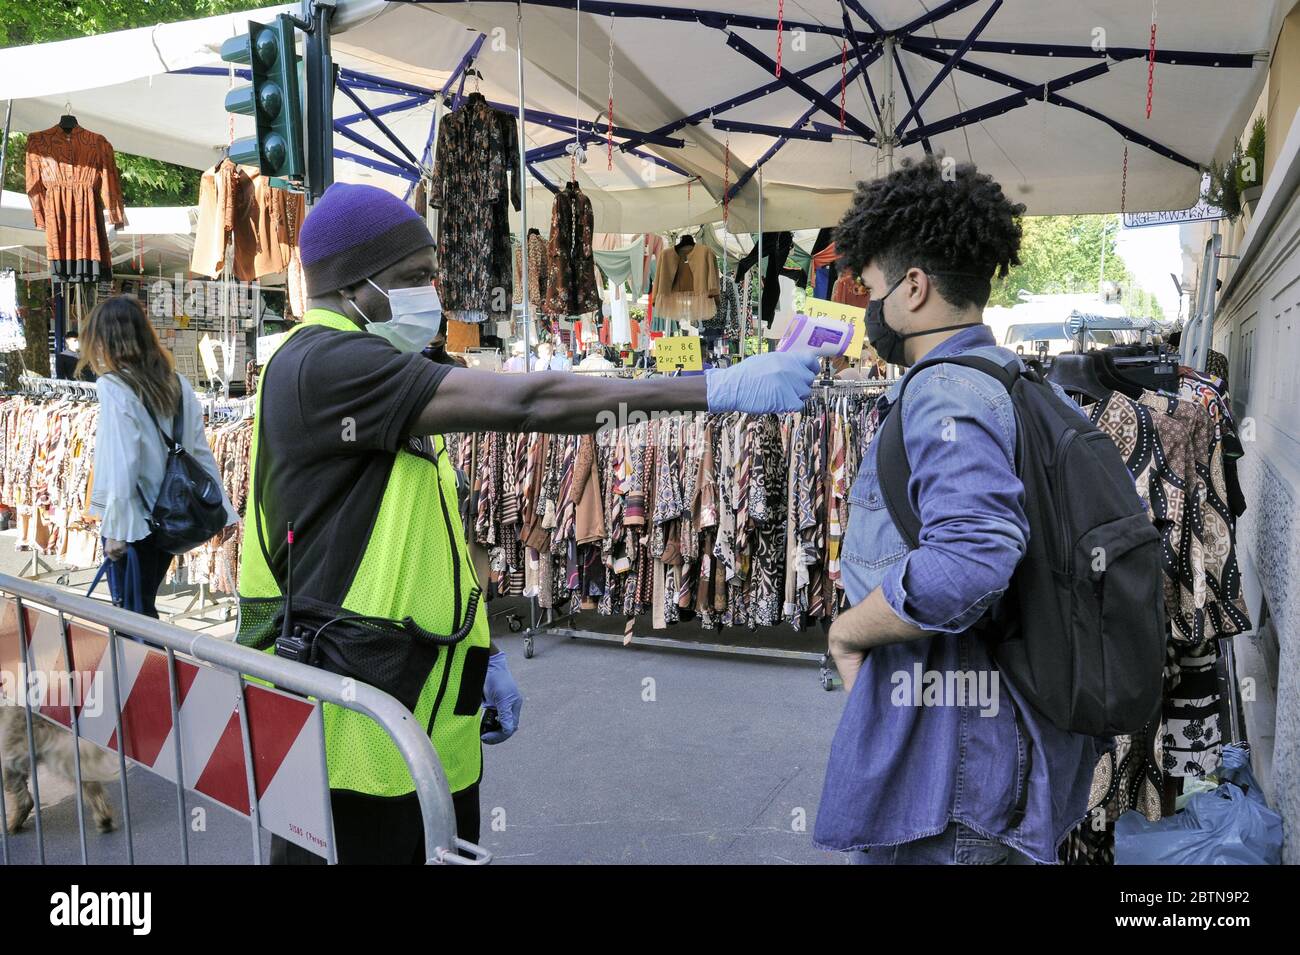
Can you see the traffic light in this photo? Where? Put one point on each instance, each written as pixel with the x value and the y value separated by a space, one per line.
pixel 272 99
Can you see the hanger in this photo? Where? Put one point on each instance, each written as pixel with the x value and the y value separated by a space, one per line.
pixel 685 239
pixel 476 92
pixel 67 122
pixel 1109 374
pixel 1077 374
pixel 1152 371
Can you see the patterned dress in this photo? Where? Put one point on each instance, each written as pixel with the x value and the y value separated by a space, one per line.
pixel 72 182
pixel 571 287
pixel 475 181
pixel 1170 448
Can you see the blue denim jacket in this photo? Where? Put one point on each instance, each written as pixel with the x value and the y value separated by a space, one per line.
pixel 913 754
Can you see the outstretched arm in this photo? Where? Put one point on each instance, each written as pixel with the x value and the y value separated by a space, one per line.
pixel 562 403
pixel 551 401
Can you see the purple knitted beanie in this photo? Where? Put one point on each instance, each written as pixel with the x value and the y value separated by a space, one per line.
pixel 354 231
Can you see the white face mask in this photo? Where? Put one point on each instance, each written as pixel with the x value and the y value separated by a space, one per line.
pixel 416 317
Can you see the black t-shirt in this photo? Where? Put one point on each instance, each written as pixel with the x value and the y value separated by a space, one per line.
pixel 65 367
pixel 335 408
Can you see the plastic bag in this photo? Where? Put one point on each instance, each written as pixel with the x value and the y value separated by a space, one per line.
pixel 1223 827
pixel 1192 786
pixel 1234 767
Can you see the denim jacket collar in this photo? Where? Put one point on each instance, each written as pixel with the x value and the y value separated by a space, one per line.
pixel 977 336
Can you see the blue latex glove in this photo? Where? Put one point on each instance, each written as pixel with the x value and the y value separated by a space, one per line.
pixel 501 693
pixel 764 384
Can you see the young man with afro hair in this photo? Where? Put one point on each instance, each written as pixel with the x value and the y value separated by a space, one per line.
pixel 936 760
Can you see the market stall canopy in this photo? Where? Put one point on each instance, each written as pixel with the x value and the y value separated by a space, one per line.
pixel 1049 96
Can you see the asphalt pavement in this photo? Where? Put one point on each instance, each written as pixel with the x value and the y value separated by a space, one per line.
pixel 624 755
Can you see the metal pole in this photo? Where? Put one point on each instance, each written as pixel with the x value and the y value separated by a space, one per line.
pixel 523 187
pixel 1236 727
pixel 174 688
pixel 254 809
pixel 887 125
pixel 1199 331
pixel 1211 298
pixel 114 648
pixel 4 142
pixel 320 98
pixel 73 698
pixel 60 322
pixel 4 819
pixel 32 762
pixel 762 272
pixel 726 271
pixel 1101 279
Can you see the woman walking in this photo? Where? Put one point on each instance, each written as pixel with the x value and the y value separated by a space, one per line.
pixel 140 394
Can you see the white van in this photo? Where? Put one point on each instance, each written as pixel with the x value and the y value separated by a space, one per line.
pixel 1028 338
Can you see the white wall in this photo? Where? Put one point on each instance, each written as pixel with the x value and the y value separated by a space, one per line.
pixel 1258 327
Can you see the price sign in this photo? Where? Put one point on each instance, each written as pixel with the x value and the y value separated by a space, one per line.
pixel 681 351
pixel 266 346
pixel 820 307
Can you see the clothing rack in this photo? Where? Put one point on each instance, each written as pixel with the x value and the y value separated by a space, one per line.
pixel 38 568
pixel 219 410
pixel 564 623
pixel 1079 324
pixel 615 372
pixel 854 384
pixel 202 601
pixel 49 387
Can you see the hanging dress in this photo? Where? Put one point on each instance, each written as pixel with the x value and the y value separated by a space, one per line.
pixel 72 182
pixel 475 181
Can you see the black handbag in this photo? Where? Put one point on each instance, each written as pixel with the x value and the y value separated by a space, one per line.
pixel 190 508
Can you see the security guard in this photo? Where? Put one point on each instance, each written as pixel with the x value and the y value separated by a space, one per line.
pixel 347 447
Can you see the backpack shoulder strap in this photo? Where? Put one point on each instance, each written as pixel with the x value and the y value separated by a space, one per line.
pixel 171 444
pixel 168 442
pixel 891 457
pixel 178 423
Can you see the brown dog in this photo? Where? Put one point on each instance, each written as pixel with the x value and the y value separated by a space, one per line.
pixel 53 751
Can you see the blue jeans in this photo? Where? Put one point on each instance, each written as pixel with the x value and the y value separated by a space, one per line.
pixel 154 564
pixel 956 845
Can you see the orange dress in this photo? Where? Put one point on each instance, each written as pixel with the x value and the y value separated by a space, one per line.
pixel 72 181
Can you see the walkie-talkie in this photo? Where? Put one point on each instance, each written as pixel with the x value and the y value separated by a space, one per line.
pixel 292 644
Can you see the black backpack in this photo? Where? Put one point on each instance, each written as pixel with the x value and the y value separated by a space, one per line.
pixel 1080 632
pixel 190 508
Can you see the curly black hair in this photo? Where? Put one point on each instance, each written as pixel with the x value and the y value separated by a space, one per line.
pixel 937 215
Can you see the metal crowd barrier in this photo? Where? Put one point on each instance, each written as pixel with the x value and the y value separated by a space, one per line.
pixel 190 708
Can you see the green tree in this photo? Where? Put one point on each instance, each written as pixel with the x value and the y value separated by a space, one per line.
pixel 145 181
pixel 1063 254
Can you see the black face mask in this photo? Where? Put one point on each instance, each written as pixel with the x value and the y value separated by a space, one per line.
pixel 889 343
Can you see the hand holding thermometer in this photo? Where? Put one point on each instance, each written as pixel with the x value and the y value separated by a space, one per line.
pixel 821 336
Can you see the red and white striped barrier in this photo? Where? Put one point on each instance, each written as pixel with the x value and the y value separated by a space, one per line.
pixel 285 731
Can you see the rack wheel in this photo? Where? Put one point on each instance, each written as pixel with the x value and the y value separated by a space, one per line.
pixel 528 647
pixel 63 580
pixel 515 622
pixel 828 682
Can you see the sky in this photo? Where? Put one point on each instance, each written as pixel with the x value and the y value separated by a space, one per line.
pixel 1151 253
